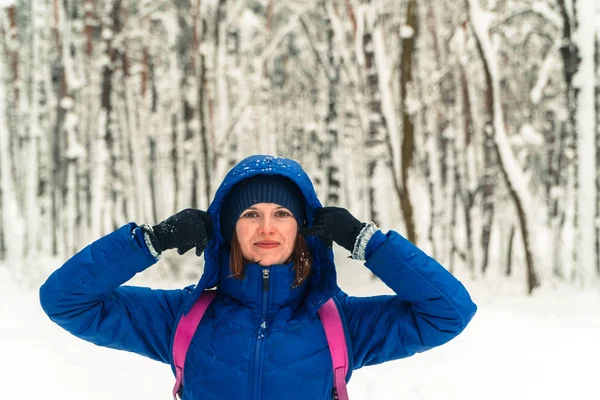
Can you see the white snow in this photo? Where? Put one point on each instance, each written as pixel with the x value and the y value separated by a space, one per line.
pixel 544 73
pixel 67 102
pixel 545 10
pixel 406 31
pixel 516 347
pixel 531 136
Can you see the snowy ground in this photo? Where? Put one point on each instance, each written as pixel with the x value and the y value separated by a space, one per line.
pixel 517 347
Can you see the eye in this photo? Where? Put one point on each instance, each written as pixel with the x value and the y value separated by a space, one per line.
pixel 250 214
pixel 283 213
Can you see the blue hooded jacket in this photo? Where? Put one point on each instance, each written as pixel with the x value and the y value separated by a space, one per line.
pixel 251 343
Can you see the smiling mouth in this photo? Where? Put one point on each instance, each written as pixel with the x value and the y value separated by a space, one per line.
pixel 266 245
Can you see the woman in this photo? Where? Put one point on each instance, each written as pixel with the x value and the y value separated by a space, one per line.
pixel 267 245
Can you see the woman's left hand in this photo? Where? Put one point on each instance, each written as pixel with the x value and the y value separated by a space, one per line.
pixel 337 224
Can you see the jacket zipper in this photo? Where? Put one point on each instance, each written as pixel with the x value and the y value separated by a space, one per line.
pixel 260 338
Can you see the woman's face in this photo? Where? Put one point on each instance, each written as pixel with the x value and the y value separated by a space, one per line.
pixel 267 233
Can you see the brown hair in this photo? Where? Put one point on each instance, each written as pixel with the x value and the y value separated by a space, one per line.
pixel 300 256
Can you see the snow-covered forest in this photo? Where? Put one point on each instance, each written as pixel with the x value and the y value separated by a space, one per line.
pixel 471 127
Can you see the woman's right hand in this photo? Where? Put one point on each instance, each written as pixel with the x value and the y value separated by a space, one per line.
pixel 186 229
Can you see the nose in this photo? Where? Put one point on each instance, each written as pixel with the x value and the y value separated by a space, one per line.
pixel 266 226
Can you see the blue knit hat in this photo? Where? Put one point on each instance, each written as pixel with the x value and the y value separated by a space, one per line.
pixel 261 189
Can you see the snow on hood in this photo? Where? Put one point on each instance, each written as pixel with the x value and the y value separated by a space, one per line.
pixel 322 284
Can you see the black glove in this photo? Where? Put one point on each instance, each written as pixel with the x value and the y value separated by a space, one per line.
pixel 337 224
pixel 186 229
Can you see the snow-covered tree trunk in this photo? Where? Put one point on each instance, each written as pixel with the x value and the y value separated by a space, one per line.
pixel 374 139
pixel 69 131
pixel 221 99
pixel 87 106
pixel 32 139
pixel 185 106
pixel 511 171
pixel 464 174
pixel 108 182
pixel 489 175
pixel 332 120
pixel 352 115
pixel 586 144
pixel 555 192
pixel 439 133
pixel 57 139
pixel 128 201
pixel 171 145
pixel 193 97
pixel 379 149
pixel 566 162
pixel 13 227
pixel 139 192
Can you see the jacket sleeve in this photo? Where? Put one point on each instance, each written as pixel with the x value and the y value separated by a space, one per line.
pixel 86 298
pixel 430 306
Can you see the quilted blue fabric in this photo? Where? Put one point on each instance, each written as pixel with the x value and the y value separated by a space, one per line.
pixel 255 343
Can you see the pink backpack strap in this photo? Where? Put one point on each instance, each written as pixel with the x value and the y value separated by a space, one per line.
pixel 334 331
pixel 184 333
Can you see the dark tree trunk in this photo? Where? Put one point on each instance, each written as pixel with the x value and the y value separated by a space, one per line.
pixel 490 164
pixel 509 252
pixel 204 140
pixel 113 56
pixel 445 157
pixel 461 179
pixel 375 134
pixel 495 161
pixel 408 134
pixel 332 174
